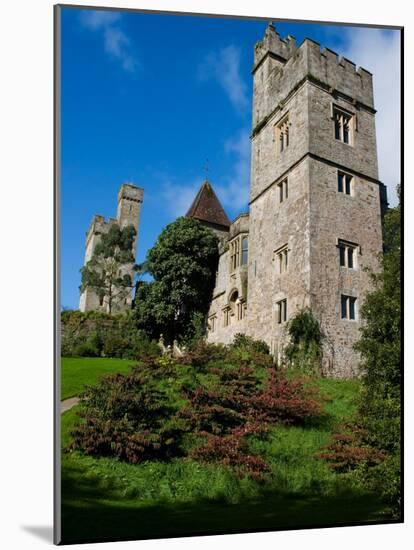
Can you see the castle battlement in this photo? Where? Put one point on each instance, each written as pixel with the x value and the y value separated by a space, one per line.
pixel 315 203
pixel 274 45
pixel 130 192
pixel 280 68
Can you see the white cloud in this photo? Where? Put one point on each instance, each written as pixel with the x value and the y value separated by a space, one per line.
pixel 95 20
pixel 178 197
pixel 116 42
pixel 232 190
pixel 378 51
pixel 224 67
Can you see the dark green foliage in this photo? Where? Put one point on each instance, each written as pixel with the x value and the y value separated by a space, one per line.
pixel 200 354
pixel 380 348
pixel 98 334
pixel 103 272
pixel 132 416
pixel 304 349
pixel 92 347
pixel 242 341
pixel 183 263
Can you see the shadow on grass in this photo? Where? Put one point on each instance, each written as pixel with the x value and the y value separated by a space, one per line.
pixel 91 514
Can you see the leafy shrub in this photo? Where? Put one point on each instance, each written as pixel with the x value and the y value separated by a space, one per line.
pixel 288 401
pixel 224 405
pixel 246 342
pixel 232 451
pixel 131 416
pixel 200 354
pixel 163 409
pixel 92 347
pixel 349 450
pixel 235 406
pixel 142 347
pixel 304 350
pixel 115 345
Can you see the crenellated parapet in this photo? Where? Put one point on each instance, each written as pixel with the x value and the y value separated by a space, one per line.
pixel 280 69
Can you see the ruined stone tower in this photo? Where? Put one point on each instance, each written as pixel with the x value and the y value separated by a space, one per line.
pixel 315 204
pixel 128 213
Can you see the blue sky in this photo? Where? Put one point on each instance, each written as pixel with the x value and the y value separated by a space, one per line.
pixel 148 98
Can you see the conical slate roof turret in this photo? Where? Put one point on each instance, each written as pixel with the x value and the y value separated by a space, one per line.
pixel 207 208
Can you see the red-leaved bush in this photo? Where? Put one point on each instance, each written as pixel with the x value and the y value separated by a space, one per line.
pixel 130 416
pixel 233 451
pixel 237 405
pixel 349 449
pixel 287 401
pixel 162 409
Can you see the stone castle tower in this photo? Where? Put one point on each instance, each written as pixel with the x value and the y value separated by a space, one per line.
pixel 314 223
pixel 130 200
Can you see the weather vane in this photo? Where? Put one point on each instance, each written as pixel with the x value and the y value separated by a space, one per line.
pixel 206 167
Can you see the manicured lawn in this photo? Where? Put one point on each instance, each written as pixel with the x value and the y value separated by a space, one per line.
pixel 76 372
pixel 105 499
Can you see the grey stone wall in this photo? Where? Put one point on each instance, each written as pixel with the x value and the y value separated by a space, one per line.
pixel 306 84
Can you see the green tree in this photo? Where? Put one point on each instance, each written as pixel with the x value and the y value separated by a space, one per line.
pixel 380 348
pixel 104 273
pixel 183 263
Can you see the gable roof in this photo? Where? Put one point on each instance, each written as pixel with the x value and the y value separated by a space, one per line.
pixel 206 207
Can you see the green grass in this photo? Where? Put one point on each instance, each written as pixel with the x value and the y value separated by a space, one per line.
pixel 77 372
pixel 105 499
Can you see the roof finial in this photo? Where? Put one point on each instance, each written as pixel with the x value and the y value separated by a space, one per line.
pixel 206 168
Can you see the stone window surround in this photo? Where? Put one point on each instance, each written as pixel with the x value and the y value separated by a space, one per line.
pixel 351 179
pixel 348 246
pixel 283 189
pixel 226 315
pixel 282 133
pixel 350 301
pixel 238 312
pixel 236 251
pixel 213 322
pixel 281 311
pixel 344 116
pixel 281 255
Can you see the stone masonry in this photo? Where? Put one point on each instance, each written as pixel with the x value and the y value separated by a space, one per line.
pixel 129 210
pixel 314 223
